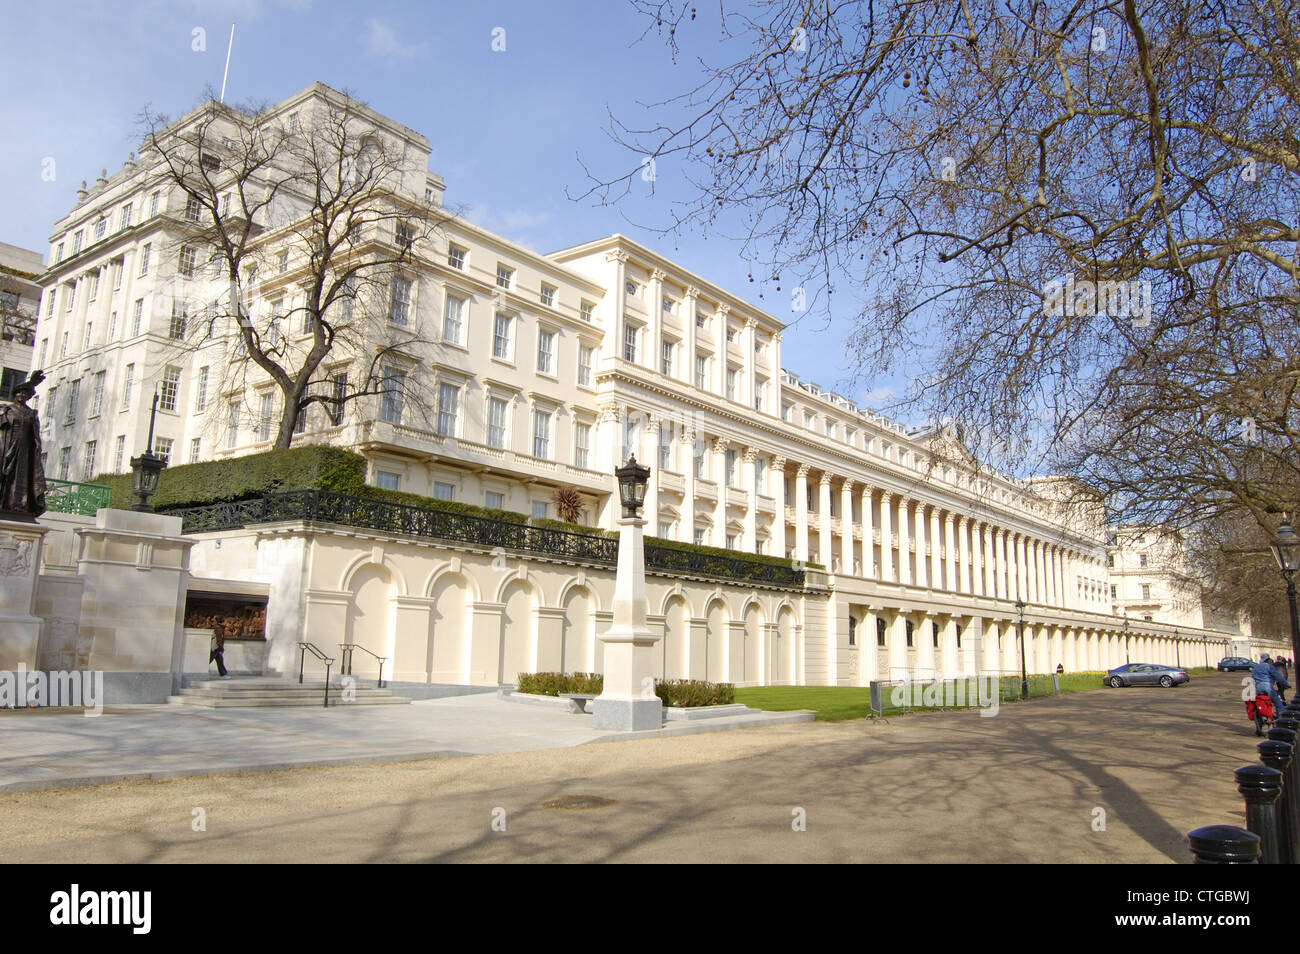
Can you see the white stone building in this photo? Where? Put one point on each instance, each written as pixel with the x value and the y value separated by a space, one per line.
pixel 550 370
pixel 20 296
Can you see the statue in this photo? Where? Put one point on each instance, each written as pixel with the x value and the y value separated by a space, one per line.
pixel 22 476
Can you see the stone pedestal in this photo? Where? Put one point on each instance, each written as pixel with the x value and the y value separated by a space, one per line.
pixel 20 559
pixel 628 702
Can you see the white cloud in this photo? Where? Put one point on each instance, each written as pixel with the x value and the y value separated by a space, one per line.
pixel 383 40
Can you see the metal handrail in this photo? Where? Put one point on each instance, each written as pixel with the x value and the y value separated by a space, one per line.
pixel 345 667
pixel 303 649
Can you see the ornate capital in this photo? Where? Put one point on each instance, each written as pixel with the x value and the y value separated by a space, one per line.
pixel 825 479
pixel 658 275
pixel 750 455
pixel 802 471
pixel 724 309
pixel 608 412
pixel 778 463
pixel 720 445
pixel 686 435
pixel 692 292
pixel 847 487
pixel 616 255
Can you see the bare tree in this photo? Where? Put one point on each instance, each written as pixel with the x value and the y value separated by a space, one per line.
pixel 1080 217
pixel 319 216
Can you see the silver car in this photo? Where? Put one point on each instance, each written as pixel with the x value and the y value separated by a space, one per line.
pixel 1146 674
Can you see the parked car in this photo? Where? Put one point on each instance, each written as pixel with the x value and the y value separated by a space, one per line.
pixel 1234 664
pixel 1146 674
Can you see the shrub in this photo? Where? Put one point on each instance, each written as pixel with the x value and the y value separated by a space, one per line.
pixel 687 693
pixel 554 683
pixel 568 503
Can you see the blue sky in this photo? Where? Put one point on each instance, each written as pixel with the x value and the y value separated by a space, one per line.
pixel 507 127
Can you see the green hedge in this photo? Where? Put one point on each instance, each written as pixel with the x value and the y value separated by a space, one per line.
pixel 688 693
pixel 554 683
pixel 433 503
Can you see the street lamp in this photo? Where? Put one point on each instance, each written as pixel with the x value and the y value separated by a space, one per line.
pixel 1024 673
pixel 1178 654
pixel 1127 659
pixel 147 468
pixel 628 700
pixel 1286 550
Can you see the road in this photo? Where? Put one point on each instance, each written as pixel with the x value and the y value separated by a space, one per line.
pixel 1114 776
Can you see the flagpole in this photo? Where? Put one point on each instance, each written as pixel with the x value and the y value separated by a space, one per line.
pixel 230 46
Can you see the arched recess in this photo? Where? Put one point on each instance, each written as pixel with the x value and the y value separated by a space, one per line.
pixel 782 646
pixel 753 617
pixel 450 619
pixel 518 631
pixel 370 617
pixel 677 616
pixel 578 638
pixel 715 639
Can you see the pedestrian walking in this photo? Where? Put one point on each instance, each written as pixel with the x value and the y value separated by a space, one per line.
pixel 218 653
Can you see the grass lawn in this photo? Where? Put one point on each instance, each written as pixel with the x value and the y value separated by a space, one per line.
pixel 836 703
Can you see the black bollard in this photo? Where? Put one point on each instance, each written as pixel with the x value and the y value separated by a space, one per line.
pixel 1261 786
pixel 1224 845
pixel 1290 784
pixel 1277 755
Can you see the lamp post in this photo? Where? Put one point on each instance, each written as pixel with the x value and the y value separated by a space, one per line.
pixel 1127 659
pixel 1024 673
pixel 146 468
pixel 628 701
pixel 1178 653
pixel 1286 550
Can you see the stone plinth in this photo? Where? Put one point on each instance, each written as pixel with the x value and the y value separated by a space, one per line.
pixel 20 627
pixel 628 702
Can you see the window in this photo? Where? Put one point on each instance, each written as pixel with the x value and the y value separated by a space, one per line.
pixel 731 458
pixel 392 395
pixel 453 328
pixel 629 343
pixel 853 631
pixel 545 351
pixel 58 253
pixel 665 448
pixel 665 530
pixel 171 386
pixel 72 294
pixel 339 392
pixel 54 292
pixel 126 219
pixel 497 411
pixel 265 415
pixel 1110 560
pixel 187 259
pixel 629 437
pixel 505 276
pixel 587 311
pixel 225 205
pixel 76 241
pixel 201 390
pixel 666 358
pixel 443 491
pixel 698 464
pixel 119 266
pixel 153 204
pixel 119 452
pixel 232 426
pixel 97 394
pixel 701 371
pixel 668 304
pixel 630 288
pixel 399 306
pixel 196 449
pixel 346 296
pixel 387 480
pixel 542 434
pixel 65 460
pixel 101 227
pixel 456 256
pixel 731 334
pixel 1142 559
pixel 293 123
pixel 127 376
pixel 448 406
pixel 1146 591
pixel 88 461
pixel 85 340
pixel 176 329
pixel 731 384
pixel 144 258
pixel 494 500
pixel 50 402
pixel 162 447
pixel 45 343
pixel 699 536
pixel 193 209
pixel 760 473
pixel 584 365
pixel 1114 591
pixel 112 326
pixel 300 421
pixel 541 510
pixel 911 632
pixel 63 346
pixel 282 262
pixel 759 390
pixel 73 392
pixel 581 445
pixel 501 337
pixel 210 163
pixel 700 320
pixel 94 284
pixel 548 296
pixel 137 317
pixel 404 234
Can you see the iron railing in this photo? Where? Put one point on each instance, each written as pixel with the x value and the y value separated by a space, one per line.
pixel 67 496
pixel 373 514
pixel 303 649
pixel 345 667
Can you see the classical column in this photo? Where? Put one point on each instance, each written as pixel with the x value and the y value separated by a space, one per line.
pixel 606 454
pixel 922 575
pixel 749 541
pixel 1022 576
pixel 868 543
pixel 650 449
pixel 686 367
pixel 720 445
pixel 961 583
pixel 936 551
pixel 801 513
pixel 887 537
pixel 904 540
pixel 824 523
pixel 990 562
pixel 619 257
pixel 776 483
pixel 846 526
pixel 687 534
pixel 656 304
pixel 1002 576
pixel 746 395
pixel 718 381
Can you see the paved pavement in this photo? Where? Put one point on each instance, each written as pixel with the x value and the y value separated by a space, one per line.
pixel 1034 784
pixel 57 749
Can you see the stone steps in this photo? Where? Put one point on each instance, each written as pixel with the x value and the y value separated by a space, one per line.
pixel 259 692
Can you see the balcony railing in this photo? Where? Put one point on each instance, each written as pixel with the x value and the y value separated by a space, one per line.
pixel 66 496
pixel 373 514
